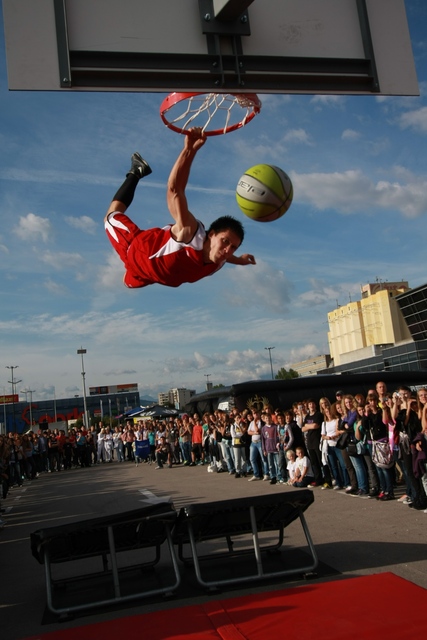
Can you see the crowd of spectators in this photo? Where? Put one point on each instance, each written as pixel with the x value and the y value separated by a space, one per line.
pixel 364 446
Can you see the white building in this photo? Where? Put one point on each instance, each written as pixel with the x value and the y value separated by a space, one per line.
pixel 178 398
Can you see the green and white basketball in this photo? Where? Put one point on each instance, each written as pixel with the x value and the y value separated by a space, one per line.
pixel 264 193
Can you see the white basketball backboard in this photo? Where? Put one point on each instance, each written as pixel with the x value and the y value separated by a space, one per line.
pixel 261 46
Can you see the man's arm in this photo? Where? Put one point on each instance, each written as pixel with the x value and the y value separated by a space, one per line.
pixel 185 223
pixel 246 258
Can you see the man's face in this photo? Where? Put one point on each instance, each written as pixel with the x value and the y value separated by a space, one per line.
pixel 221 246
pixel 381 389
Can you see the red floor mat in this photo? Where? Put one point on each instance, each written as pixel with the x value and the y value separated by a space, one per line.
pixel 368 608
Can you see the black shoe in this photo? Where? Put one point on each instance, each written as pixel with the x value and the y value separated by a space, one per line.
pixel 273 481
pixel 353 492
pixel 237 475
pixel 139 166
pixel 373 493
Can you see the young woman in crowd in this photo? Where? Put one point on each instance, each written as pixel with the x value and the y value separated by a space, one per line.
pixel 329 433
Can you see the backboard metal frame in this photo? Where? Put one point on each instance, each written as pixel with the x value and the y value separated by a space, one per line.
pixel 221 64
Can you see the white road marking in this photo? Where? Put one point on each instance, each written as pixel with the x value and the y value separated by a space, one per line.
pixel 151 498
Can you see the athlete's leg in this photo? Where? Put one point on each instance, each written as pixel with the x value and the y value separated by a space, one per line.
pixel 124 196
pixel 120 229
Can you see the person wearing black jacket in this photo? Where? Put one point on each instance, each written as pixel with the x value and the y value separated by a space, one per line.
pixel 408 426
pixel 311 430
pixel 374 430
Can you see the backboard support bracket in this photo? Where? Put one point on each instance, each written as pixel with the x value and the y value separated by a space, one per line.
pixel 368 46
pixel 211 24
pixel 215 29
pixel 62 43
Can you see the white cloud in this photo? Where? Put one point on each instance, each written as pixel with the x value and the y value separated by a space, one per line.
pixel 60 259
pixel 54 287
pixel 321 293
pixel 350 134
pixel 32 228
pixel 232 366
pixel 352 192
pixel 298 135
pixel 111 274
pixel 303 353
pixel 416 120
pixel 120 372
pixel 84 223
pixel 328 101
pixel 260 286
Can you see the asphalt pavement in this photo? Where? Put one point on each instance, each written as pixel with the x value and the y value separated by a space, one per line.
pixel 352 536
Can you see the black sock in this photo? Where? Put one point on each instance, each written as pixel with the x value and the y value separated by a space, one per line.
pixel 127 191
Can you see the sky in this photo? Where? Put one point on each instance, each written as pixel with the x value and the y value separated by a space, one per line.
pixel 359 169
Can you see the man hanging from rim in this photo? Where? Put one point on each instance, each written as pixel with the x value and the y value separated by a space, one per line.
pixel 182 251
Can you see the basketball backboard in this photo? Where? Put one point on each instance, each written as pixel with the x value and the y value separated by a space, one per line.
pixel 260 46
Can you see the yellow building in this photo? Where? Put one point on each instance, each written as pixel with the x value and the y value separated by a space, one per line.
pixel 355 329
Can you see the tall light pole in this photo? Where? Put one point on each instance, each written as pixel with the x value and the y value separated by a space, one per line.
pixel 30 391
pixel 81 352
pixel 4 409
pixel 54 405
pixel 271 362
pixel 207 376
pixel 13 383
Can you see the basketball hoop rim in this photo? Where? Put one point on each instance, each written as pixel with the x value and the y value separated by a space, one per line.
pixel 178 96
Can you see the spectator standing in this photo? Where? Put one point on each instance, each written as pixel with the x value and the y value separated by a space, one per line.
pixel 312 433
pixel 270 447
pixel 197 451
pixel 257 457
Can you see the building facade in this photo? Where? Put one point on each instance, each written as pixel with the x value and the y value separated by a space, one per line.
pixel 18 416
pixel 387 329
pixel 376 320
pixel 176 398
pixel 413 305
pixel 311 366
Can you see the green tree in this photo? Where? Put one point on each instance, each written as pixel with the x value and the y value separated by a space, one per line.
pixel 284 374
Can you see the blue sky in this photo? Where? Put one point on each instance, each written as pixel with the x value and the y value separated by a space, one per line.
pixel 359 169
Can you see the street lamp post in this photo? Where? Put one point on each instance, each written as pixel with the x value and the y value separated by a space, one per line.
pixel 4 409
pixel 207 376
pixel 271 362
pixel 13 383
pixel 30 391
pixel 81 352
pixel 54 405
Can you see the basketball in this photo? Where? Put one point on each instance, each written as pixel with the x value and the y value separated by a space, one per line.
pixel 264 193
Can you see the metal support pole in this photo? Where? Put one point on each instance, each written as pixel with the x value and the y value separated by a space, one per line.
pixel 271 362
pixel 81 352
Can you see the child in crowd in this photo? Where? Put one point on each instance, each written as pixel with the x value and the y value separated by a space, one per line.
pixel 303 470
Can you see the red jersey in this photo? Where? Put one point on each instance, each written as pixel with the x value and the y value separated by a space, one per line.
pixel 154 256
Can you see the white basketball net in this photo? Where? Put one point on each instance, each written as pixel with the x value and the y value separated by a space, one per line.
pixel 214 113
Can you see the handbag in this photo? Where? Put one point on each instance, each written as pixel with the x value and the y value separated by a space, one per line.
pixel 404 444
pixel 382 455
pixel 352 449
pixel 245 438
pixel 342 441
pixel 361 448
